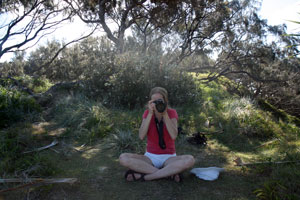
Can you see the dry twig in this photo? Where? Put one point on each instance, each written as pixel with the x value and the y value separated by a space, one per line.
pixel 239 162
pixel 34 181
pixel 42 148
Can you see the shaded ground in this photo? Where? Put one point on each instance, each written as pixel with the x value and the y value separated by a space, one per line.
pixel 101 177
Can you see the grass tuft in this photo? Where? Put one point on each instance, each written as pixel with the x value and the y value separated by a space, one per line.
pixel 86 120
pixel 126 141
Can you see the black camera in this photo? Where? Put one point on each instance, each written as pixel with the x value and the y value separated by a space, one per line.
pixel 160 105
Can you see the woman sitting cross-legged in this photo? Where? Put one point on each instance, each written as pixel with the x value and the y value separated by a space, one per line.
pixel 160 160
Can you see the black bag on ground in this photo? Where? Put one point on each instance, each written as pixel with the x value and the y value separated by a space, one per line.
pixel 197 139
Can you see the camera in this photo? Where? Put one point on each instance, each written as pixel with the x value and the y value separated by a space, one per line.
pixel 160 105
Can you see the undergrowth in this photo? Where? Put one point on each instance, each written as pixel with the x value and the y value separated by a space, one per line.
pixel 246 128
pixel 18 109
pixel 126 141
pixel 85 120
pixel 16 106
pixel 15 142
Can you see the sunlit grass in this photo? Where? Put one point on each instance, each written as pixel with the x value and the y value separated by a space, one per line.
pixel 88 154
pixel 101 134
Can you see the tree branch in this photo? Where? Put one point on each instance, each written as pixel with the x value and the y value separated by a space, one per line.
pixel 63 47
pixel 39 22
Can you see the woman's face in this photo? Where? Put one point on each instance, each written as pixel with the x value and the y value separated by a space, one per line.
pixel 157 96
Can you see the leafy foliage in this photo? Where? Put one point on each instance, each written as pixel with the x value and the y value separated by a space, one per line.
pixel 15 106
pixel 135 75
pixel 119 80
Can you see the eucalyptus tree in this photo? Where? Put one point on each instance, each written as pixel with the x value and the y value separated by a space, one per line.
pixel 193 20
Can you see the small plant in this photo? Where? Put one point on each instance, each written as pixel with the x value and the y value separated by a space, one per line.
pixel 239 109
pixel 126 141
pixel 271 190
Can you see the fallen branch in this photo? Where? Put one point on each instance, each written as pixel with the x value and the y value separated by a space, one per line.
pixel 51 180
pixel 267 143
pixel 34 181
pixel 42 148
pixel 239 162
pixel 215 132
pixel 18 187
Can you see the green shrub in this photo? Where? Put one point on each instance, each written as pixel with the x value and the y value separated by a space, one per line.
pixel 131 76
pixel 15 106
pixel 127 119
pixel 240 109
pixel 40 85
pixel 85 119
pixel 182 88
pixel 250 120
pixel 26 82
pixel 289 175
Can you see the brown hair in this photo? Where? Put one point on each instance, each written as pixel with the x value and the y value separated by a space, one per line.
pixel 161 91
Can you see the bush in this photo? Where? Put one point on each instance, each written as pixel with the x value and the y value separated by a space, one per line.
pixel 26 83
pixel 182 87
pixel 15 106
pixel 250 120
pixel 117 80
pixel 40 85
pixel 85 119
pixel 131 78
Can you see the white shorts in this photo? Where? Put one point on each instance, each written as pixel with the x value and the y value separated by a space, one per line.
pixel 158 160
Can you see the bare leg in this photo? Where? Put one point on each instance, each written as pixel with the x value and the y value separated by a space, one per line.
pixel 172 166
pixel 138 163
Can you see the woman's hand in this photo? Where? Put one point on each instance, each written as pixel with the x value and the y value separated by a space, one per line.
pixel 151 106
pixel 165 113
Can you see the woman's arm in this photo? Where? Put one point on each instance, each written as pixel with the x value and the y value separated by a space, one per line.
pixel 146 122
pixel 145 126
pixel 171 125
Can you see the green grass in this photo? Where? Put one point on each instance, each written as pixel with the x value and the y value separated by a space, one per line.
pixel 93 136
pixel 14 142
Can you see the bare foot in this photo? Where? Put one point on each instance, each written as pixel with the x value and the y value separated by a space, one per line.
pixel 177 178
pixel 131 178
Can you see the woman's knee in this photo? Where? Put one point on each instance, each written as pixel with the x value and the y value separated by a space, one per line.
pixel 124 159
pixel 189 160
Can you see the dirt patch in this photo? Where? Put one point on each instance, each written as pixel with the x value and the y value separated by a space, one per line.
pixel 47 127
